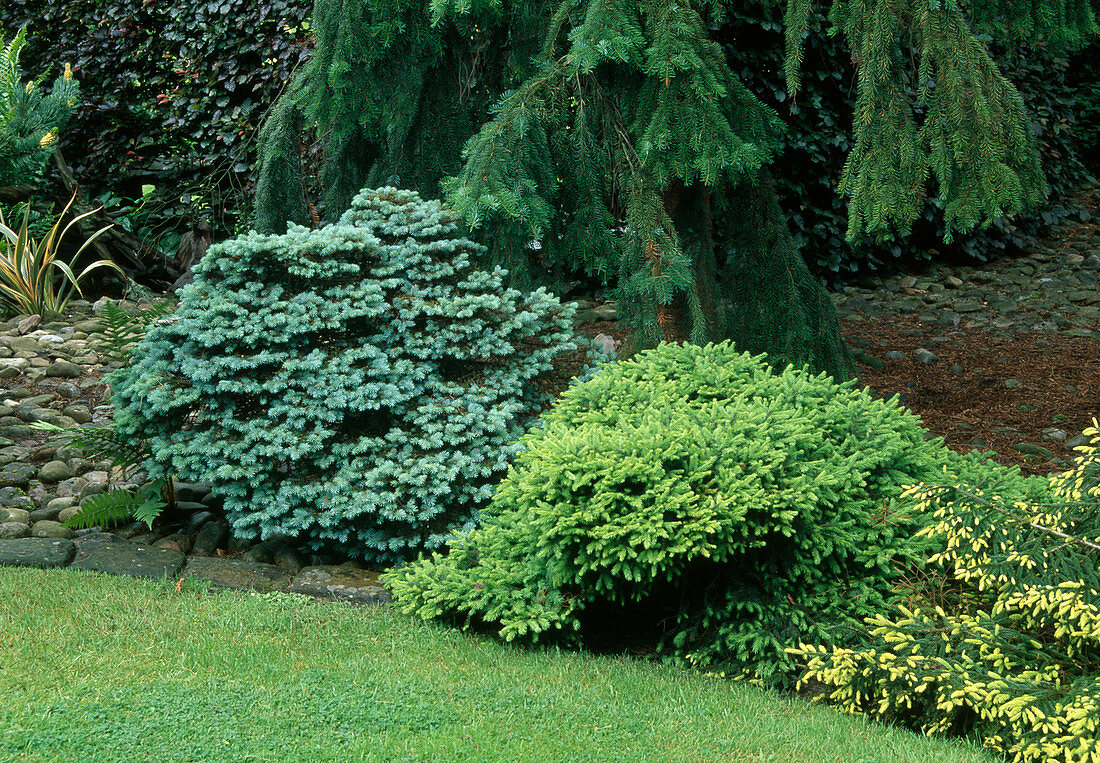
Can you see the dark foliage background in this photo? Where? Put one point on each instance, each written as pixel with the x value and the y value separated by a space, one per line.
pixel 1084 76
pixel 819 137
pixel 173 95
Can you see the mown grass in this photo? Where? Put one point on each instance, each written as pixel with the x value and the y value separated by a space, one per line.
pixel 94 668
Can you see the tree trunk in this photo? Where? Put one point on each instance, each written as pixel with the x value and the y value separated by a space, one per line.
pixel 776 306
pixel 117 244
pixel 13 193
pixel 689 208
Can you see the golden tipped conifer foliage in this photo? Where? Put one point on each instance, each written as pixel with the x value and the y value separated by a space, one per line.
pixel 1001 637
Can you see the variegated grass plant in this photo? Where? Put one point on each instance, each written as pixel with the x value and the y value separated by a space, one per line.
pixel 29 269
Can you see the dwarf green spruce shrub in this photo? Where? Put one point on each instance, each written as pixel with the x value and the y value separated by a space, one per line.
pixel 358 385
pixel 734 511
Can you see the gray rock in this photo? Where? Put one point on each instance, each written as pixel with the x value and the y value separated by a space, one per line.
pixel 9 494
pixel 956 369
pixel 92 488
pixel 54 471
pixel 28 412
pixel 185 507
pixel 264 551
pixel 15 515
pixel 210 537
pixel 10 530
pixel 64 369
pixel 606 343
pixel 23 344
pixel 78 412
pixel 50 529
pixel 68 513
pixel 192 492
pixel 146 538
pixel 71 487
pixel 237 573
pixel 1077 441
pixel 342 583
pixel 238 545
pixel 44 513
pixel 30 323
pixel 102 477
pixel 895 355
pixel 68 390
pixel 968 307
pixel 78 465
pixel 178 542
pixel 1013 383
pixel 198 519
pixel 1031 449
pixel 36 552
pixel 131 530
pixel 61 503
pixel 872 361
pixel 1054 433
pixel 608 311
pixel 288 559
pixel 17 475
pixel 103 552
pixel 926 356
pixel 19 364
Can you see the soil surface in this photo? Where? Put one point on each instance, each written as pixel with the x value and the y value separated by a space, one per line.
pixel 972 408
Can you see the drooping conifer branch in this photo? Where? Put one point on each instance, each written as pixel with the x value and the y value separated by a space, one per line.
pixel 621 143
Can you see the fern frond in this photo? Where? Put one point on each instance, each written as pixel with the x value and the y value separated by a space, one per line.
pixel 97 443
pixel 121 330
pixel 116 505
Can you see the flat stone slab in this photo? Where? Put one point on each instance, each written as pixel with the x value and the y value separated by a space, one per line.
pixel 103 552
pixel 36 552
pixel 341 583
pixel 237 573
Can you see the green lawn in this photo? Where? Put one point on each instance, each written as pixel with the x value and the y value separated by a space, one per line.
pixel 94 668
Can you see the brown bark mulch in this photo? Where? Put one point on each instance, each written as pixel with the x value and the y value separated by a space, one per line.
pixel 1059 386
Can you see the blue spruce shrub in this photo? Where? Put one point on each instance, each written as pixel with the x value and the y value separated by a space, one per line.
pixel 732 511
pixel 358 386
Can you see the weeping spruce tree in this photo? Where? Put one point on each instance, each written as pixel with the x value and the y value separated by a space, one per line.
pixel 612 137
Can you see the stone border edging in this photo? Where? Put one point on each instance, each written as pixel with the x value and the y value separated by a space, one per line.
pixel 109 554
